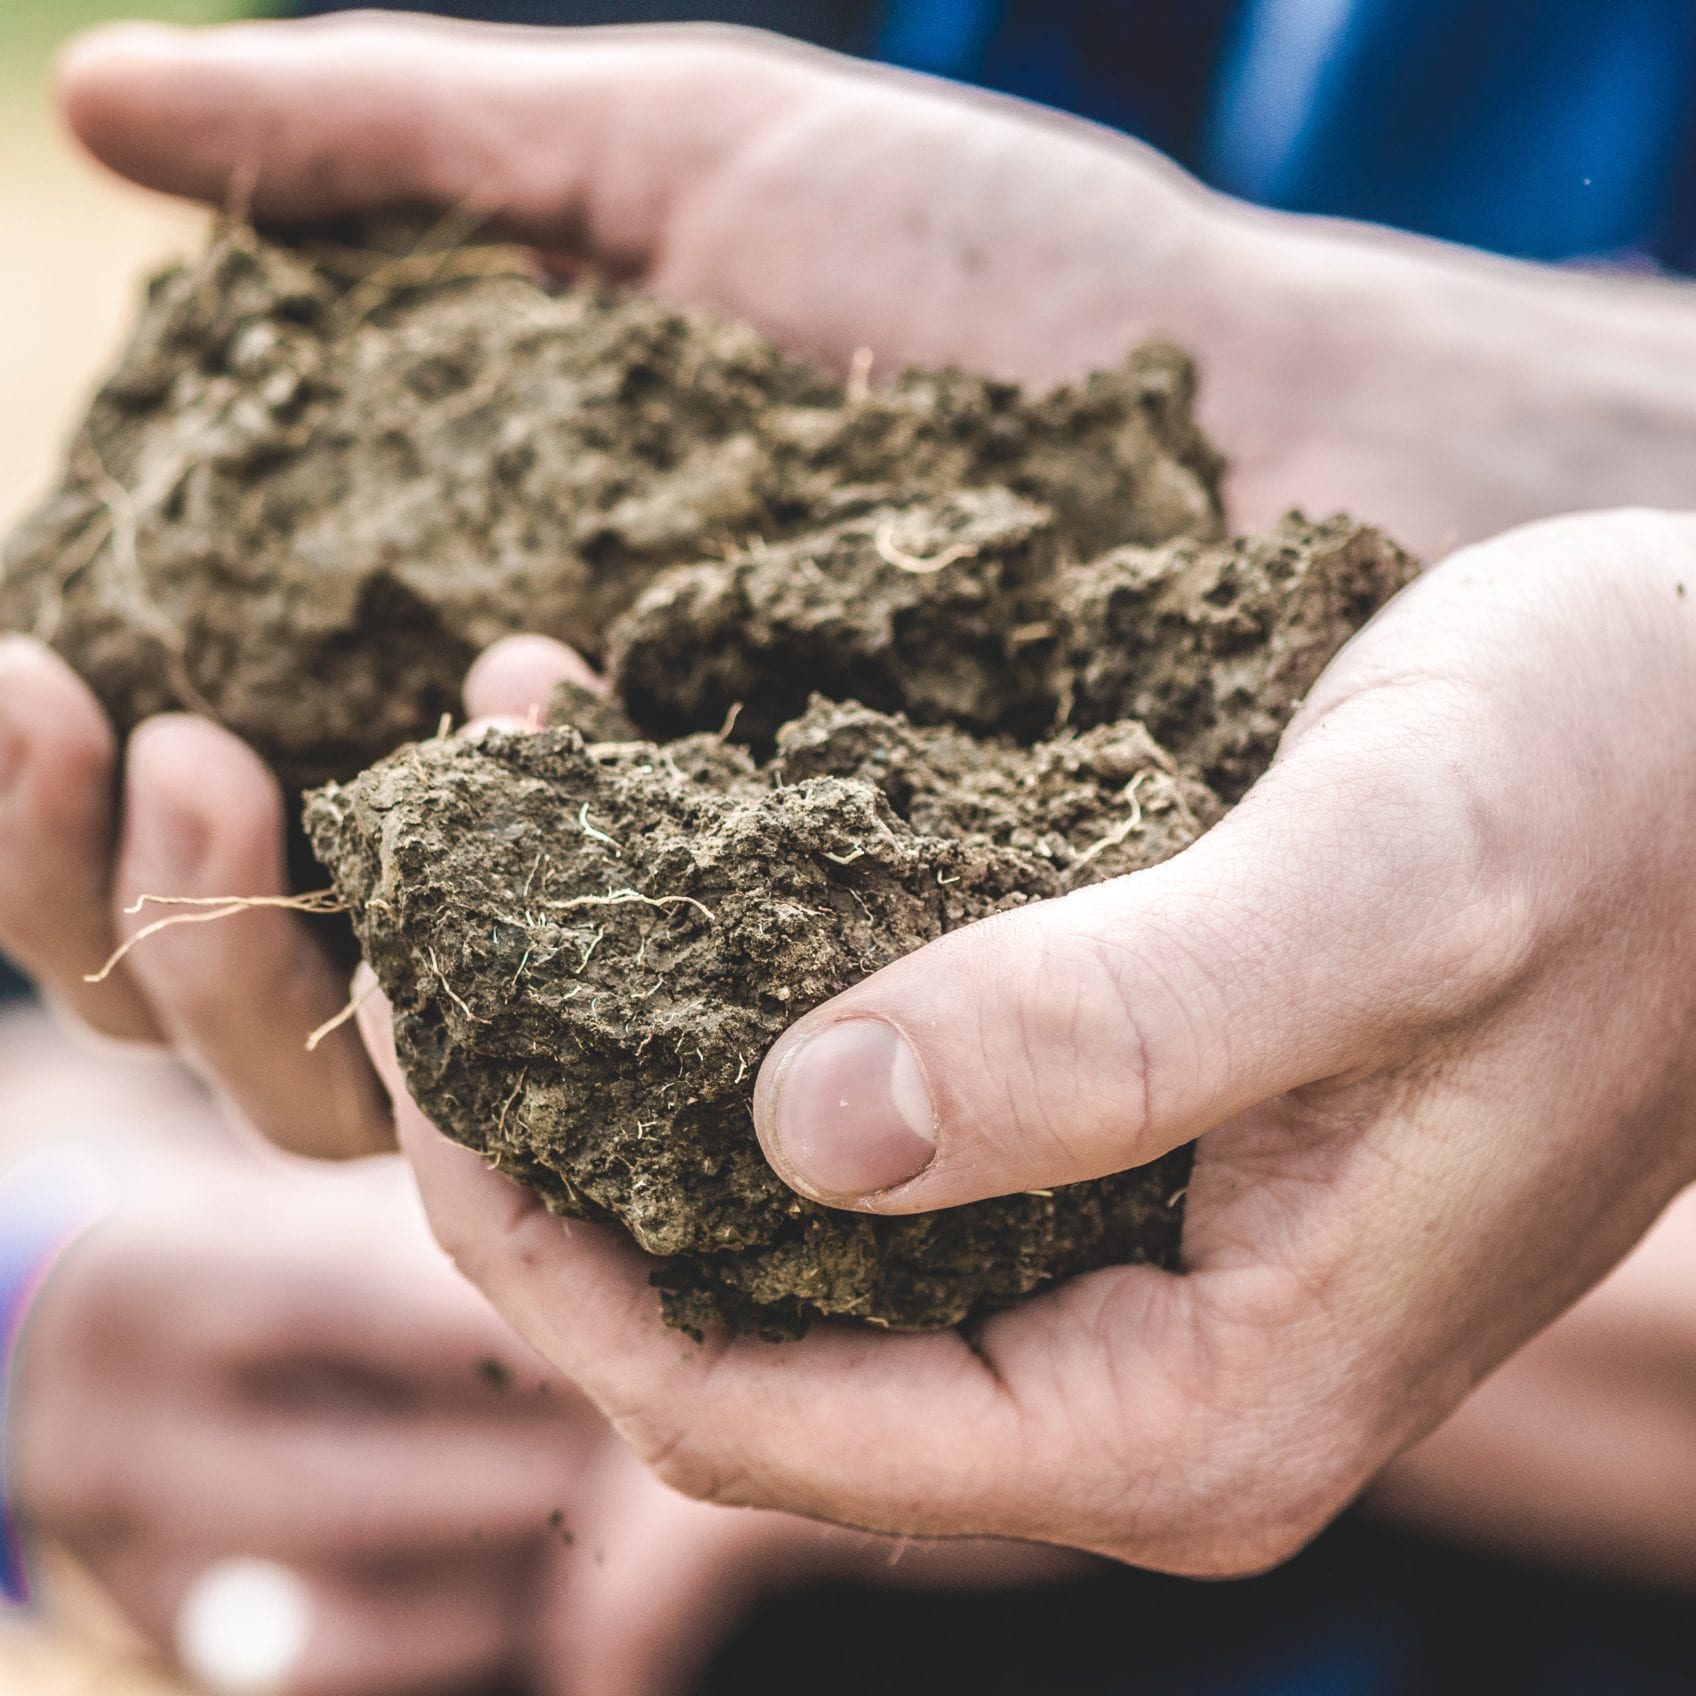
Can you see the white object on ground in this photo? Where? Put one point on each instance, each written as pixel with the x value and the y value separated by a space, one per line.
pixel 243 1626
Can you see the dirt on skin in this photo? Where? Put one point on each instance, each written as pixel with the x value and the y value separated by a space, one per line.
pixel 323 479
pixel 591 946
pixel 901 656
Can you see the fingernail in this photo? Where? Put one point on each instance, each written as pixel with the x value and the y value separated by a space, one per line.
pixel 168 829
pixel 852 1113
pixel 243 1628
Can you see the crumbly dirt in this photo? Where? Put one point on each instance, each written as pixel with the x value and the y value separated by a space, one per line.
pixel 305 447
pixel 1214 645
pixel 887 658
pixel 590 947
pixel 925 608
pixel 965 610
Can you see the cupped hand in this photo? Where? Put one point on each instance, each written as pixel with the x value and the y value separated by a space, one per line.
pixel 1426 999
pixel 260 1360
pixel 840 207
pixel 186 811
pixel 268 1363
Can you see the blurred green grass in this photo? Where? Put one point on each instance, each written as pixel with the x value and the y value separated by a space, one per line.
pixel 31 30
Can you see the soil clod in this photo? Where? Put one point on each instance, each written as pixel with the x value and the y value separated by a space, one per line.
pixel 885 661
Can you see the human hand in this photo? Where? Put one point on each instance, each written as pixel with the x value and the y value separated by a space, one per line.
pixel 1425 997
pixel 264 1362
pixel 1581 1450
pixel 1004 240
pixel 837 207
pixel 276 1310
pixel 652 1584
pixel 192 814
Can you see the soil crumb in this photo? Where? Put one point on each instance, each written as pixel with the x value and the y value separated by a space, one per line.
pixel 590 947
pixel 964 610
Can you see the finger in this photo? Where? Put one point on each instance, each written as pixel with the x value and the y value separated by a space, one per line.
pixel 516 677
pixel 296 1331
pixel 653 1583
pixel 58 777
pixel 309 1339
pixel 1338 914
pixel 243 995
pixel 249 1627
pixel 729 1421
pixel 312 1487
pixel 651 1587
pixel 736 1421
pixel 352 116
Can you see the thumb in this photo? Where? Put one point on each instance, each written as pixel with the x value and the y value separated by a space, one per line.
pixel 1336 914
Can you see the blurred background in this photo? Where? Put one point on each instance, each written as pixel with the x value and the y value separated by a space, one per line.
pixel 78 242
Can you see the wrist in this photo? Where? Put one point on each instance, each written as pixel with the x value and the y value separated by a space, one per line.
pixel 1446 394
pixel 48 1199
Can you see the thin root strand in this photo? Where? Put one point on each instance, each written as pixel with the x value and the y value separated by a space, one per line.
pixel 318 904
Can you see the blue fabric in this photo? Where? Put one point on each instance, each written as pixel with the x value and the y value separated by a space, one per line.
pixel 1547 131
pixel 1147 68
pixel 1537 128
pixel 939 37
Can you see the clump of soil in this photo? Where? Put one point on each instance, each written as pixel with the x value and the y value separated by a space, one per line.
pixel 925 608
pixel 902 656
pixel 321 480
pixel 1213 644
pixel 590 948
pixel 963 610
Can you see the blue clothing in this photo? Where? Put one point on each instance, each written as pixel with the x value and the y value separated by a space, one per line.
pixel 1530 127
pixel 1546 129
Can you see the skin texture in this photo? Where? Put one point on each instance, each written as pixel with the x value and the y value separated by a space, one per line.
pixel 1431 1003
pixel 724 168
pixel 633 1591
pixel 350 1408
pixel 1467 1023
pixel 1583 1447
pixel 326 1410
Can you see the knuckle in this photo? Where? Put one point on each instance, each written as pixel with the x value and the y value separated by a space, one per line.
pixel 1057 1030
pixel 1153 1032
pixel 1249 1519
pixel 683 1464
pixel 1423 860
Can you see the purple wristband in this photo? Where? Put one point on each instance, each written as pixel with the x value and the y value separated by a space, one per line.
pixel 47 1200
